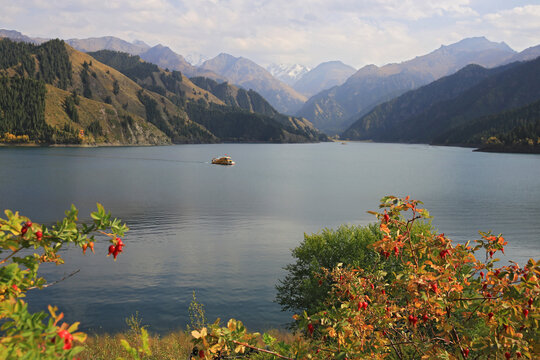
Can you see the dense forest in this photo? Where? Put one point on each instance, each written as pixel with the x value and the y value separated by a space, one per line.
pixel 516 130
pixel 48 62
pixel 24 70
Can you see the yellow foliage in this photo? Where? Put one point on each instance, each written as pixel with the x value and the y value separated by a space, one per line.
pixel 15 139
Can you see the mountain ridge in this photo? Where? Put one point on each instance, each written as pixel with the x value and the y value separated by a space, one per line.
pixel 338 108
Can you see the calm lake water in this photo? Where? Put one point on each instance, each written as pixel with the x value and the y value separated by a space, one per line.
pixel 226 232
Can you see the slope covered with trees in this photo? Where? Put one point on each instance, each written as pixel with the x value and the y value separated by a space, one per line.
pixel 516 130
pixel 229 112
pixel 72 98
pixel 457 109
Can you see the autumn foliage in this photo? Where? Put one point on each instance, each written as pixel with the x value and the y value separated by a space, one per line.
pixel 448 301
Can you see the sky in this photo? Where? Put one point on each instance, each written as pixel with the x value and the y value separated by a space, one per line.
pixel 308 32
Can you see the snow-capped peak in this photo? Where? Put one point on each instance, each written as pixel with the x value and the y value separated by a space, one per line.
pixel 288 73
pixel 196 59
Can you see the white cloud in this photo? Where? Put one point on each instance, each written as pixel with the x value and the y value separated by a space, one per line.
pixel 310 31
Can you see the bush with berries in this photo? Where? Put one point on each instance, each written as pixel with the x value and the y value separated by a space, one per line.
pixel 24 246
pixel 445 301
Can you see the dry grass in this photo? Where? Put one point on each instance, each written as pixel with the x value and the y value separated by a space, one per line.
pixel 176 345
pixel 105 347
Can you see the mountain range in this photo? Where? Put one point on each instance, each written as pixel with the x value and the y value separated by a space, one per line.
pixel 335 109
pixel 376 103
pixel 460 109
pixel 72 97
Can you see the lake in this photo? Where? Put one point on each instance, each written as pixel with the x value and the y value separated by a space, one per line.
pixel 227 232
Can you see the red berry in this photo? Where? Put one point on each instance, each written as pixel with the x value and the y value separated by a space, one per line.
pixel 119 241
pixel 91 246
pixel 497 272
pixel 466 352
pixel 434 287
pixel 518 354
pixel 490 315
pixel 525 312
pixel 201 354
pixel 507 355
pixel 320 282
pixel 111 249
pixel 425 318
pixel 386 217
pixel 530 302
pixel 383 292
pixel 68 338
pixel 310 329
pixel 443 254
pixel 28 224
pixel 372 286
pixel 24 230
pixel 491 253
pixel 364 305
pixel 396 250
pixel 115 253
pixel 482 274
pixel 84 247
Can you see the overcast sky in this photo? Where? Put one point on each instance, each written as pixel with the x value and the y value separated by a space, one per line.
pixel 357 32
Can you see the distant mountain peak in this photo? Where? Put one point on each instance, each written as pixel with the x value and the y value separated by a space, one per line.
pixel 288 73
pixel 140 43
pixel 478 43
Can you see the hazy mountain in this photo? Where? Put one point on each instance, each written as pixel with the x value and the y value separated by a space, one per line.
pixel 431 113
pixel 335 109
pixel 17 36
pixel 165 58
pixel 252 101
pixel 249 75
pixel 322 77
pixel 108 43
pixel 287 73
pixel 530 53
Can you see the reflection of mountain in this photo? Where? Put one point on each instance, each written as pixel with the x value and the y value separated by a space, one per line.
pixel 335 109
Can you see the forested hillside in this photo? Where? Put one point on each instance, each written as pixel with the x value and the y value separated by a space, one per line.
pixel 466 103
pixel 252 101
pixel 70 97
pixel 387 119
pixel 249 116
pixel 515 130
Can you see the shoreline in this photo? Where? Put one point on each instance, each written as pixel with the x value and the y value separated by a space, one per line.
pixel 503 150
